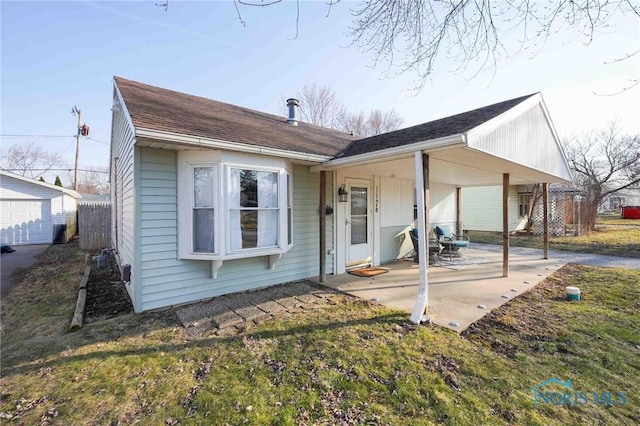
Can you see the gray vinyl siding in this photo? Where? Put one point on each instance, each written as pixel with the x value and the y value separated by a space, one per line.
pixel 167 280
pixel 123 229
pixel 482 208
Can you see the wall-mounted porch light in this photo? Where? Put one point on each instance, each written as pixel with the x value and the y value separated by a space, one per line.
pixel 342 194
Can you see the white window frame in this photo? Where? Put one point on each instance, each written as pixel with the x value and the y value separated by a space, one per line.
pixel 216 208
pixel 222 164
pixel 524 201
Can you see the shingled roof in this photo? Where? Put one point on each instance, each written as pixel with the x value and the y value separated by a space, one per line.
pixel 160 109
pixel 448 126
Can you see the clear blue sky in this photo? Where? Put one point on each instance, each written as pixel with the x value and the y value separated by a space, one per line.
pixel 56 55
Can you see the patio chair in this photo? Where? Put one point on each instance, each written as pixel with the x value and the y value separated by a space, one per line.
pixel 451 242
pixel 434 247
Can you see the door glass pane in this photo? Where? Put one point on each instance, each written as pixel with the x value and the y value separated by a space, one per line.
pixel 358 230
pixel 203 230
pixel 203 186
pixel 358 201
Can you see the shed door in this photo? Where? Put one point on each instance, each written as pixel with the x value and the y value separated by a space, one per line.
pixel 25 222
pixel 359 223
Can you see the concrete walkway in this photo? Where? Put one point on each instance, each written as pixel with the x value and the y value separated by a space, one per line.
pixel 228 314
pixel 568 256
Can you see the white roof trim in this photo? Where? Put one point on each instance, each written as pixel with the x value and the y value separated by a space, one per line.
pixel 200 142
pixel 67 191
pixel 119 103
pixel 394 153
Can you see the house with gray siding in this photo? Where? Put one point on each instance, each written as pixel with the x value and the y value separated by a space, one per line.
pixel 210 198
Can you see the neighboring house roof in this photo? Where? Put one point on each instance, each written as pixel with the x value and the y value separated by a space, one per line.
pixel 165 110
pixel 449 126
pixel 67 191
pixel 95 199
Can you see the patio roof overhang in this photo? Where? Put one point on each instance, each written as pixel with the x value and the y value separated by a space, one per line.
pixel 521 142
pixel 457 165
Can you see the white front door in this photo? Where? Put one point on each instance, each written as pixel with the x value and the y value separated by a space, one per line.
pixel 358 223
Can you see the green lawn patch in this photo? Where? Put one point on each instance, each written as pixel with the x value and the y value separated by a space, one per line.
pixel 349 363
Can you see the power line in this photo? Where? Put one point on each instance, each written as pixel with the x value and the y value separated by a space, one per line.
pixel 56 170
pixel 37 136
pixel 53 136
pixel 99 141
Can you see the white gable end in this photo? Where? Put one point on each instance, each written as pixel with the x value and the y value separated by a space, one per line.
pixel 523 135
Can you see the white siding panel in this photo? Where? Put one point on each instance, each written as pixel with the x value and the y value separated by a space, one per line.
pixel 167 280
pixel 442 199
pixel 482 208
pixel 396 201
pixel 529 129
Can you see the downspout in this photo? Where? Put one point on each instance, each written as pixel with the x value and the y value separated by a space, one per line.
pixel 418 314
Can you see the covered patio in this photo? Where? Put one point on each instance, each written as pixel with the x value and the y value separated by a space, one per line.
pixel 459 294
pixel 509 143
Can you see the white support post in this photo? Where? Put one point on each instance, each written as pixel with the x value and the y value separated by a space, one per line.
pixel 422 188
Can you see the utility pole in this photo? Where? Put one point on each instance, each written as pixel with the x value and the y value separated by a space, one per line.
pixel 76 111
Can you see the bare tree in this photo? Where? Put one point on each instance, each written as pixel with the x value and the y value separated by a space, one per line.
pixel 28 159
pixel 535 195
pixel 410 35
pixel 374 123
pixel 603 163
pixel 320 105
pixel 94 180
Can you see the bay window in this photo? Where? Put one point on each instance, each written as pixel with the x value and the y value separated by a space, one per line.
pixel 233 205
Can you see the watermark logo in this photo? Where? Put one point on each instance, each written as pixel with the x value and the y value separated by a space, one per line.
pixel 544 394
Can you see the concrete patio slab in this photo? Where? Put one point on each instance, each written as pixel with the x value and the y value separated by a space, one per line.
pixel 458 295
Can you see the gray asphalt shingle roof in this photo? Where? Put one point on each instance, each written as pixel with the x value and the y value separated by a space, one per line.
pixel 448 126
pixel 155 108
pixel 161 109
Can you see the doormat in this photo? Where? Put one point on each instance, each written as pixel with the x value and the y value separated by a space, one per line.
pixel 368 272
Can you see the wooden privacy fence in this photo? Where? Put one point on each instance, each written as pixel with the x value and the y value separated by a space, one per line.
pixel 94 226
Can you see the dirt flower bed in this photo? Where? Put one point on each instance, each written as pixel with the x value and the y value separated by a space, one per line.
pixel 107 296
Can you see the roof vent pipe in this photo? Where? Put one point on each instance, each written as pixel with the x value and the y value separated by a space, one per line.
pixel 293 104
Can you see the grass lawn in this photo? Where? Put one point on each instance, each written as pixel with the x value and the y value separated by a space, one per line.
pixel 349 363
pixel 615 220
pixel 611 240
